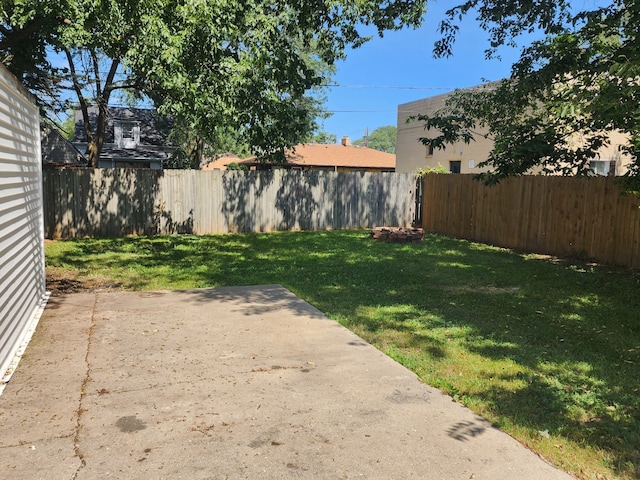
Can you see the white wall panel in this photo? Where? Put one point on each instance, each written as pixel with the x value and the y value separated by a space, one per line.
pixel 22 279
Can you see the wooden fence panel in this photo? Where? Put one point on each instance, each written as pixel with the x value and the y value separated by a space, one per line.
pixel 635 245
pixel 325 189
pixel 117 202
pixel 393 211
pixel 589 218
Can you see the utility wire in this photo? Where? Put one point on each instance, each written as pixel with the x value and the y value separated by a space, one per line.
pixel 390 87
pixel 359 111
pixel 337 85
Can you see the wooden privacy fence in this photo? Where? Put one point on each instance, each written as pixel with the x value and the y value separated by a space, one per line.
pixel 118 202
pixel 586 217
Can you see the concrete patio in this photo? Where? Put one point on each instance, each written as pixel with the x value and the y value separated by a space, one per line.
pixel 237 383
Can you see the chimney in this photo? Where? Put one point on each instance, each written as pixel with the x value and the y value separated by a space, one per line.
pixel 346 141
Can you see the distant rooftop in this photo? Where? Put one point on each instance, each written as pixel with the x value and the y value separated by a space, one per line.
pixel 327 156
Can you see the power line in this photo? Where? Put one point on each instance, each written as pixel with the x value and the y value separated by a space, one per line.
pixel 390 87
pixel 85 72
pixel 360 111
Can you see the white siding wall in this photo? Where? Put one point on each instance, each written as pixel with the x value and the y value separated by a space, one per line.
pixel 22 280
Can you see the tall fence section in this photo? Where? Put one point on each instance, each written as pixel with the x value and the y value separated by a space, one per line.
pixel 562 216
pixel 117 202
pixel 585 217
pixel 22 278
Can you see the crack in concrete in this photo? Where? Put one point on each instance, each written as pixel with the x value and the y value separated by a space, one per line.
pixel 22 443
pixel 83 392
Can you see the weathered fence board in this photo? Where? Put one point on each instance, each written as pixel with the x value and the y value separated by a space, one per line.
pixel 117 202
pixel 590 218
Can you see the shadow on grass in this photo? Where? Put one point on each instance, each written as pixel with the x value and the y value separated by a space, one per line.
pixel 569 333
pixel 252 302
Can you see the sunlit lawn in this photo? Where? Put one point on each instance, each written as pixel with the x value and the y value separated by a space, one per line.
pixel 547 351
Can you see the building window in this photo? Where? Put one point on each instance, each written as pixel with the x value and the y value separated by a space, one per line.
pixel 429 150
pixel 127 134
pixel 454 166
pixel 600 167
pixel 127 131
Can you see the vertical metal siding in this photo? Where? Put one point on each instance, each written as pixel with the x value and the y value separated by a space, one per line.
pixel 22 279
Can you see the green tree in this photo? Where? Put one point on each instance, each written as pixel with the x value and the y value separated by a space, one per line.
pixel 566 92
pixel 68 126
pixel 324 138
pixel 251 66
pixel 26 33
pixel 237 166
pixel 382 138
pixel 193 148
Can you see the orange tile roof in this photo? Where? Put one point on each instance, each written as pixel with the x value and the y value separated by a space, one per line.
pixel 341 156
pixel 334 155
pixel 221 162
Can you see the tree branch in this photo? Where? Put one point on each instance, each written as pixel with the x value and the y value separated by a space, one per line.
pixel 96 72
pixel 109 86
pixel 84 107
pixel 12 37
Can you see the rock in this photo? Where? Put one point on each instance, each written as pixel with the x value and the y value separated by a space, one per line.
pixel 397 234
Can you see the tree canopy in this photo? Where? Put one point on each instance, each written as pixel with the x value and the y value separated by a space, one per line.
pixel 252 67
pixel 566 93
pixel 382 138
pixel 323 138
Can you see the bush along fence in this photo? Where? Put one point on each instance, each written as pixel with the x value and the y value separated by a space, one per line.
pixel 118 202
pixel 589 218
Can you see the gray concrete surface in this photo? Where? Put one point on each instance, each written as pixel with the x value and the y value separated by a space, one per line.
pixel 231 383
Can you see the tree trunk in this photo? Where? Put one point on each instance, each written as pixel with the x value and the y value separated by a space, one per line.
pixel 198 152
pixel 95 139
pixel 94 146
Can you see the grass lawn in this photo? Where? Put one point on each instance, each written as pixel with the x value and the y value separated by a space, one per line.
pixel 548 351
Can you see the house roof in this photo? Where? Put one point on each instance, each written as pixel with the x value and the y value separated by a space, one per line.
pixel 57 150
pixel 333 155
pixel 221 163
pixel 154 129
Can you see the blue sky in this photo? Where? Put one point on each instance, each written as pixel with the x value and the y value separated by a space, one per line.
pixel 405 59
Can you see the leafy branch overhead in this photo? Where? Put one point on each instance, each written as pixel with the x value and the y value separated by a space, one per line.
pixel 253 67
pixel 566 93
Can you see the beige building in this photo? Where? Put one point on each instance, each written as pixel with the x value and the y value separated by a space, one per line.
pixel 412 155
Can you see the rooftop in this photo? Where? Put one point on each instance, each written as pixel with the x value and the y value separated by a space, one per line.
pixel 338 156
pixel 330 155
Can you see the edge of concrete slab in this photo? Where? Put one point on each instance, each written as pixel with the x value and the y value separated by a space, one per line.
pixel 32 324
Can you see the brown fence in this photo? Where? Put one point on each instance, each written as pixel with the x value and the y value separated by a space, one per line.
pixel 586 217
pixel 117 202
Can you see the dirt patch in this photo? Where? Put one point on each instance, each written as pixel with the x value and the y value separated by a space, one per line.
pixel 62 283
pixel 585 266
